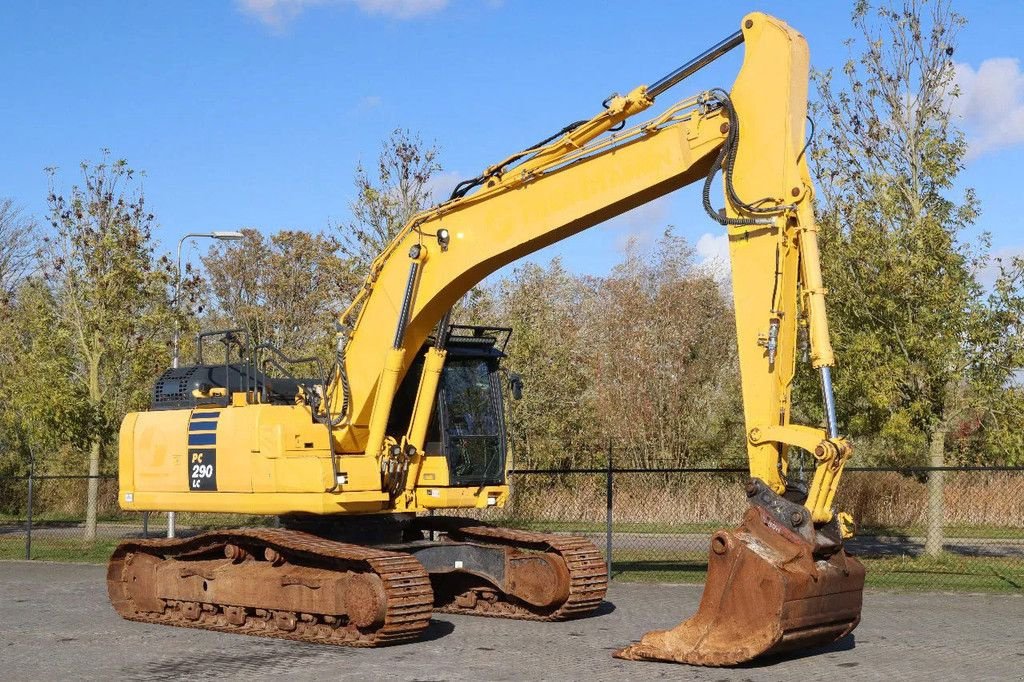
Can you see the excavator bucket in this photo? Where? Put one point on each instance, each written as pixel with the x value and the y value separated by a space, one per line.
pixel 768 591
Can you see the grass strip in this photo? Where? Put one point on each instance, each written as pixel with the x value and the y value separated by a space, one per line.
pixel 947 572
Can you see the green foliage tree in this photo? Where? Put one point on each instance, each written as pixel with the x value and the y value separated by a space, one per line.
pixel 644 357
pixel 17 259
pixel 553 424
pixel 285 289
pixel 922 344
pixel 110 297
pixel 18 247
pixel 41 411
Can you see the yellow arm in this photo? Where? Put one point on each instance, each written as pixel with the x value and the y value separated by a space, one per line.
pixel 776 273
pixel 587 176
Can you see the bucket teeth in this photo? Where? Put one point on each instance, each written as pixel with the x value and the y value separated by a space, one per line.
pixel 766 593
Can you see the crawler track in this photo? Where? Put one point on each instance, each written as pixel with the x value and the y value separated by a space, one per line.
pixel 588 574
pixel 406 590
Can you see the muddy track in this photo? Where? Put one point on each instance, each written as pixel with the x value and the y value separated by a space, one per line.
pixel 408 597
pixel 588 574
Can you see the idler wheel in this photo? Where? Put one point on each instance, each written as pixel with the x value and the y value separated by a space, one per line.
pixel 362 599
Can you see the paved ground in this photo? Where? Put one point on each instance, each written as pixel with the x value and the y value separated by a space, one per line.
pixel 55 623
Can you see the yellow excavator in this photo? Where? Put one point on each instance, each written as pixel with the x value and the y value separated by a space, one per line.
pixel 355 461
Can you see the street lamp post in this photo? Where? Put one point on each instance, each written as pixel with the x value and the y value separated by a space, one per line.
pixel 222 236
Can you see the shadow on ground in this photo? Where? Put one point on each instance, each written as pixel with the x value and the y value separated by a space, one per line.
pixel 847 643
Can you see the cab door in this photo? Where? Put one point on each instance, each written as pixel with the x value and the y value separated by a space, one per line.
pixel 472 421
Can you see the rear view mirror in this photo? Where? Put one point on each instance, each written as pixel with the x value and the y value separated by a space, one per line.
pixel 515 386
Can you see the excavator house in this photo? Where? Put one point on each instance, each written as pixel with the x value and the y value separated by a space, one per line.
pixel 358 460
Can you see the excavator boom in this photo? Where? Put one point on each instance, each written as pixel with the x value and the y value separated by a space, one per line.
pixel 584 177
pixel 755 135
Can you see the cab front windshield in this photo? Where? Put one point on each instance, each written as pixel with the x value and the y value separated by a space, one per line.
pixel 472 424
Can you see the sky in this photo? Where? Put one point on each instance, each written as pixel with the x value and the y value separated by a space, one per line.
pixel 255 113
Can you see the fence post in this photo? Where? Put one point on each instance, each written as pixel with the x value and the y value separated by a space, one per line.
pixel 936 493
pixel 145 524
pixel 608 513
pixel 28 518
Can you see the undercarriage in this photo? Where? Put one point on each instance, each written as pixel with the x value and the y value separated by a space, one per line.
pixel 307 582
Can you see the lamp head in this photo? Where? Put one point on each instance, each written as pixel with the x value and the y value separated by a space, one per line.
pixel 231 236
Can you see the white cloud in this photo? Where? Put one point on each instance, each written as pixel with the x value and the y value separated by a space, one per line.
pixel 713 252
pixel 635 240
pixel 638 227
pixel 439 187
pixel 989 273
pixel 650 216
pixel 401 9
pixel 369 102
pixel 990 105
pixel 278 13
pixel 275 13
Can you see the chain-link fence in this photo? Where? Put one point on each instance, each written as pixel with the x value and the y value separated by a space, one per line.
pixel 46 518
pixel 653 524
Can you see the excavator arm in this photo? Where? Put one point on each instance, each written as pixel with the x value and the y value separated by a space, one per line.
pixel 588 174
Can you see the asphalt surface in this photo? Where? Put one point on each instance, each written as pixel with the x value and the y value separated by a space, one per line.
pixel 55 623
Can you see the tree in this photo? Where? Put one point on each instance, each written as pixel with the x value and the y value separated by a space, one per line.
pixel 40 408
pixel 645 356
pixel 922 345
pixel 111 297
pixel 17 259
pixel 386 200
pixel 285 290
pixel 17 247
pixel 554 421
pixel 478 306
pixel 663 359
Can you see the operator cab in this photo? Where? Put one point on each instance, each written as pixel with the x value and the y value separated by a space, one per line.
pixel 468 424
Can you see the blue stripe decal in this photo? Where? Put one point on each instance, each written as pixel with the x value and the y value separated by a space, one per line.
pixel 205 415
pixel 202 439
pixel 202 426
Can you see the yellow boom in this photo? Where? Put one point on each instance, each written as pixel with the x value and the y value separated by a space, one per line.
pixel 585 177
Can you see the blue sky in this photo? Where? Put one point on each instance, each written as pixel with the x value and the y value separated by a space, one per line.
pixel 255 113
